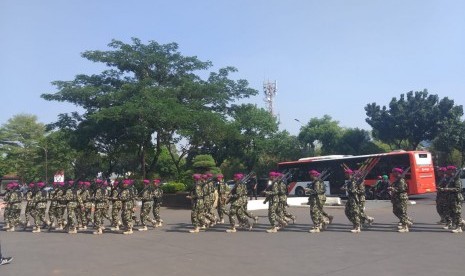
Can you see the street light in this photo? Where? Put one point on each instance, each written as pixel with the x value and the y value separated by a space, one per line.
pixel 297 120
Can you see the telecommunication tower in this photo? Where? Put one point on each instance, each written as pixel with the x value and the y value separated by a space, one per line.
pixel 270 90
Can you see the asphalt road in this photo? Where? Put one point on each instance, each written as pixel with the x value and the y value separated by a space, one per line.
pixel 426 250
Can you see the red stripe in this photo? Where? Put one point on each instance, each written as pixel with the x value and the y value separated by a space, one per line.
pixel 291 186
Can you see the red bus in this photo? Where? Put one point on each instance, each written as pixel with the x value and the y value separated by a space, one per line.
pixel 420 179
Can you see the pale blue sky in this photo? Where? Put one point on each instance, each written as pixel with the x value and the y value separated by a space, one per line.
pixel 329 57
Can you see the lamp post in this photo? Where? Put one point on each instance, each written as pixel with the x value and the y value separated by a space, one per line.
pixel 46 163
pixel 297 120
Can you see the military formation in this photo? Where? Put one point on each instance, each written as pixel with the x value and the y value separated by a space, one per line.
pixel 76 206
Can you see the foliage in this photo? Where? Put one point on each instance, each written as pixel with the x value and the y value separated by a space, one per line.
pixel 325 131
pixel 411 119
pixel 150 97
pixel 173 187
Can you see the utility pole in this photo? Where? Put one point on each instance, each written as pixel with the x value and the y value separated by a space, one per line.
pixel 270 90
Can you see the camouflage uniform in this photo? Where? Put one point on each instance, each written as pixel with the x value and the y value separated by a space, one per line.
pixel 53 208
pixel 442 201
pixel 272 197
pixel 352 207
pixel 85 206
pixel 237 209
pixel 61 207
pixel 282 209
pixel 70 198
pixel 127 198
pixel 100 198
pixel 80 205
pixel 316 189
pixel 364 218
pixel 40 205
pixel 29 211
pixel 208 197
pixel 399 199
pixel 157 201
pixel 147 204
pixel 198 208
pixel 116 207
pixel 455 200
pixel 222 189
pixel 6 211
pixel 14 208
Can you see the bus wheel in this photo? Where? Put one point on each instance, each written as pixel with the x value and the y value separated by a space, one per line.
pixel 299 191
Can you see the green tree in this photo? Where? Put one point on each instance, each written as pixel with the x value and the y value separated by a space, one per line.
pixel 411 119
pixel 21 143
pixel 325 131
pixel 355 141
pixel 150 97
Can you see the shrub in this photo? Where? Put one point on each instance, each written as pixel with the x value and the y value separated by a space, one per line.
pixel 173 187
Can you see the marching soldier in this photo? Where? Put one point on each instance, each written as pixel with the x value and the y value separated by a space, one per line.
pixel 282 209
pixel 352 207
pixel 100 201
pixel 455 198
pixel 441 198
pixel 70 198
pixel 28 213
pixel 6 198
pixel 53 208
pixel 315 190
pixel 237 209
pixel 272 197
pixel 399 199
pixel 127 198
pixel 147 204
pixel 116 206
pixel 40 205
pixel 13 201
pixel 197 213
pixel 85 203
pixel 222 189
pixel 157 201
pixel 208 199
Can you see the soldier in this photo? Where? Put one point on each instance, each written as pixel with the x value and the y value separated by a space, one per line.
pixel 237 209
pixel 70 197
pixel 208 199
pixel 127 198
pixel 272 197
pixel 198 208
pixel 28 213
pixel 222 190
pixel 6 198
pixel 61 206
pixel 40 205
pixel 13 201
pixel 53 208
pixel 85 203
pixel 315 190
pixel 282 209
pixel 116 206
pixel 399 199
pixel 441 198
pixel 352 207
pixel 100 201
pixel 361 194
pixel 80 204
pixel 147 204
pixel 157 201
pixel 455 198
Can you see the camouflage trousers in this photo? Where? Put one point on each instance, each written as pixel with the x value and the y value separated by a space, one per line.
pixel 115 213
pixel 72 220
pixel 12 217
pixel 198 215
pixel 352 212
pixel 209 210
pixel 272 213
pixel 145 212
pixel 126 217
pixel 156 211
pixel 442 207
pixel 99 214
pixel 363 215
pixel 455 208
pixel 315 212
pixel 399 208
pixel 239 213
pixel 86 214
pixel 53 213
pixel 28 213
pixel 221 207
pixel 39 217
pixel 285 213
pixel 321 203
